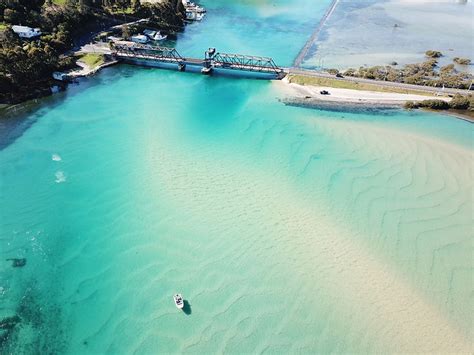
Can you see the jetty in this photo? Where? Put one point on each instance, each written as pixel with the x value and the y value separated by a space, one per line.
pixel 156 56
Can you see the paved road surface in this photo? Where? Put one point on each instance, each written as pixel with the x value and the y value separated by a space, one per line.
pixel 429 89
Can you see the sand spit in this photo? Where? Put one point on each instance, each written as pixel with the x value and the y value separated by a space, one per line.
pixel 311 96
pixel 304 243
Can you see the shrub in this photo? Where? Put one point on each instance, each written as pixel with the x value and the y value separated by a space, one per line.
pixel 409 105
pixel 447 69
pixel 434 104
pixel 462 61
pixel 433 54
pixel 350 72
pixel 459 102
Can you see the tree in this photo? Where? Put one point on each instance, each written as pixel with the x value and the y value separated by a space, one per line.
pixel 11 16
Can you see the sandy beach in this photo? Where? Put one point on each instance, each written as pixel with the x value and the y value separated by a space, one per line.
pixel 312 95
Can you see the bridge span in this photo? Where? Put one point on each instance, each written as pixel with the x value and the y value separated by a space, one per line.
pixel 146 55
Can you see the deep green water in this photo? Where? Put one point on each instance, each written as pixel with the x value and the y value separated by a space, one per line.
pixel 286 229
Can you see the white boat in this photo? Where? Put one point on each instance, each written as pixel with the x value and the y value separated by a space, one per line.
pixel 190 6
pixel 154 35
pixel 192 15
pixel 159 37
pixel 178 300
pixel 140 39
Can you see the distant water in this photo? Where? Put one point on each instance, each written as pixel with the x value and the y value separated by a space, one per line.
pixel 379 32
pixel 286 229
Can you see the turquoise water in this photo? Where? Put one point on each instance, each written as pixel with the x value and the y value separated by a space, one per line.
pixel 286 229
pixel 277 29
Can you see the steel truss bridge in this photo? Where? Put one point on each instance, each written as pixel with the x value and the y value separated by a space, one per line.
pixel 163 54
pixel 245 62
pixel 140 54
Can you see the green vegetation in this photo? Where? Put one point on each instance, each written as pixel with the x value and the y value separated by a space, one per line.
pixel 433 54
pixel 342 84
pixel 26 66
pixel 462 61
pixel 432 104
pixel 459 104
pixel 92 60
pixel 426 73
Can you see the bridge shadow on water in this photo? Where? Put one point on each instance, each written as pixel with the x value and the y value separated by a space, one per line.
pixel 187 308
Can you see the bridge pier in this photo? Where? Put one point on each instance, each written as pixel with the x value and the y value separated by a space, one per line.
pixel 182 67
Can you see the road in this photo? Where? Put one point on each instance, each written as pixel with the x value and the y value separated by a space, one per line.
pixel 429 89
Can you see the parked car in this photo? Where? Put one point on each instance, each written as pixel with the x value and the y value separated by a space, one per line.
pixel 339 75
pixel 324 92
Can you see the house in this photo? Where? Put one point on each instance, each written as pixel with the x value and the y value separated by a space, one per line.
pixel 26 32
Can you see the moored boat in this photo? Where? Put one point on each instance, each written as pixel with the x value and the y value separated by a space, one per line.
pixel 140 39
pixel 155 35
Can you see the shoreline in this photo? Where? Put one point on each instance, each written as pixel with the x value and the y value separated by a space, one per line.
pixel 453 113
pixel 310 96
pixel 88 70
pixel 8 109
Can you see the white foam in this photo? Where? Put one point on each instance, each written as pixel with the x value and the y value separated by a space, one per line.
pixel 60 177
pixel 56 157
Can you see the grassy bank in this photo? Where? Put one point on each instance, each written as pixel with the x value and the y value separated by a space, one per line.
pixel 92 60
pixel 343 84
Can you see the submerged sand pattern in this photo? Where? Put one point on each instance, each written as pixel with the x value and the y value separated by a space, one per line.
pixel 298 240
pixel 286 229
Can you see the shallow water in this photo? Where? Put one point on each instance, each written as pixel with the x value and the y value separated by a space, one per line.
pixel 286 229
pixel 363 33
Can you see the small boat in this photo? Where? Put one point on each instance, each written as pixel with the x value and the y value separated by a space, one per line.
pixel 178 300
pixel 154 35
pixel 159 37
pixel 140 39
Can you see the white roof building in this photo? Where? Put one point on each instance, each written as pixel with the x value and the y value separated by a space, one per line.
pixel 26 32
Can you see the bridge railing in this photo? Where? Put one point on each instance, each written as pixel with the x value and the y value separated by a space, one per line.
pixel 147 51
pixel 246 62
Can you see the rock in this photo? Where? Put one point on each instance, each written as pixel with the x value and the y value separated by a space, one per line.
pixel 18 262
pixel 9 323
